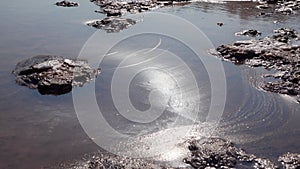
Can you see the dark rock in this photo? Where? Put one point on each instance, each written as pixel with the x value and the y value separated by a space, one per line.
pixel 220 153
pixel 67 4
pixel 286 7
pixel 285 10
pixel 212 153
pixel 112 12
pixel 115 8
pixel 112 24
pixel 290 160
pixel 249 32
pixel 220 24
pixel 266 14
pixel 262 163
pixel 273 52
pixel 53 75
pixel 118 8
pixel 271 1
pixel 205 153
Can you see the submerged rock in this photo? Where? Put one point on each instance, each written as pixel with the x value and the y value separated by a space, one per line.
pixel 248 32
pixel 278 52
pixel 53 75
pixel 67 4
pixel 112 24
pixel 290 160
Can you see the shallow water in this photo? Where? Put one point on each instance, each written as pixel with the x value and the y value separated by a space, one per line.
pixel 41 130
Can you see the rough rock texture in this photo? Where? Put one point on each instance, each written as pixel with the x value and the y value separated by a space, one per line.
pixel 118 8
pixel 290 160
pixel 288 6
pixel 248 32
pixel 280 52
pixel 281 6
pixel 112 24
pixel 220 153
pixel 67 4
pixel 53 75
pixel 117 162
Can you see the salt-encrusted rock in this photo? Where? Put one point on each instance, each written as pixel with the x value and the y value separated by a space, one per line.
pixel 118 8
pixel 66 3
pixel 286 7
pixel 220 153
pixel 53 75
pixel 277 52
pixel 290 160
pixel 248 32
pixel 112 24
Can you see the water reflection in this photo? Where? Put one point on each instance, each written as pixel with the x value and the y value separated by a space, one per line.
pixel 41 130
pixel 149 83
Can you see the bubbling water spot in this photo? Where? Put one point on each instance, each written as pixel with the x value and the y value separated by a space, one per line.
pixel 261 113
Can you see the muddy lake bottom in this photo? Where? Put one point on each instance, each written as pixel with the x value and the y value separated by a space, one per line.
pixel 42 131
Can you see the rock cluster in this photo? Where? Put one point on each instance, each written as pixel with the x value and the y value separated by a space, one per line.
pixel 53 75
pixel 248 32
pixel 67 4
pixel 288 6
pixel 205 153
pixel 118 8
pixel 290 160
pixel 282 6
pixel 112 24
pixel 220 153
pixel 280 52
pixel 117 162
